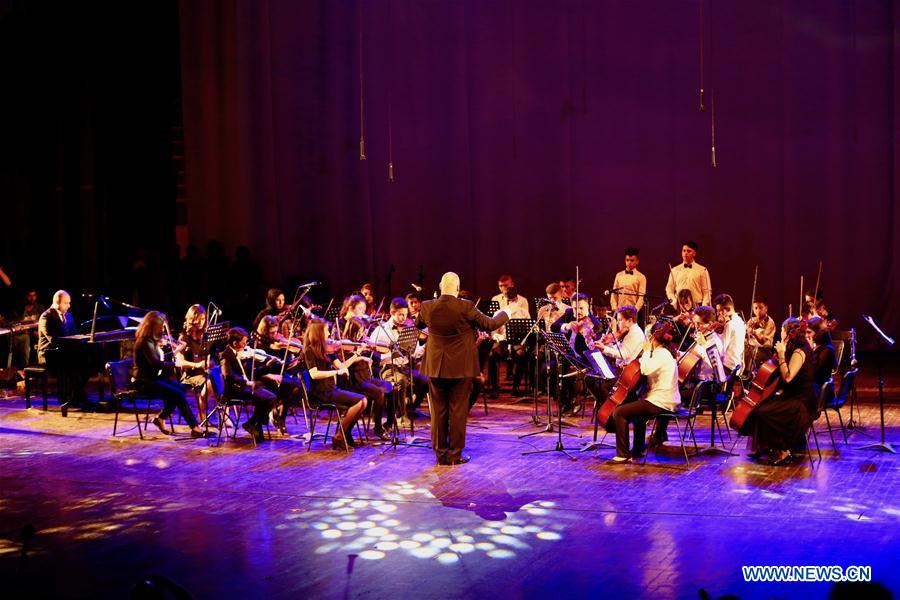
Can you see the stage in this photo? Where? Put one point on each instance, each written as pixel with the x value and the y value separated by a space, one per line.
pixel 279 521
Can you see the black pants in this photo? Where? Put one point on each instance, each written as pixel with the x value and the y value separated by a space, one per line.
pixel 449 412
pixel 173 396
pixel 375 390
pixel 637 412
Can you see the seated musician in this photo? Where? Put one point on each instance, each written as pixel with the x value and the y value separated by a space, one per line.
pixel 268 372
pixel 413 301
pixel 237 364
pixel 823 312
pixel 193 356
pixel 760 335
pixel 733 334
pixel 323 369
pixel 394 365
pixel 362 380
pixel 500 350
pixel 54 323
pixel 605 323
pixel 659 367
pixel 153 376
pixel 23 341
pixel 274 306
pixel 548 313
pixel 780 423
pixel 819 337
pixel 367 291
pixel 622 345
pixel 681 315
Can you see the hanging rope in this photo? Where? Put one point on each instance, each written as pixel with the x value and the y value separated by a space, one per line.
pixel 702 107
pixel 712 89
pixel 362 120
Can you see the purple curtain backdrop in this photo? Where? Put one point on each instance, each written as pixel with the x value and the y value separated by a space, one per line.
pixel 530 137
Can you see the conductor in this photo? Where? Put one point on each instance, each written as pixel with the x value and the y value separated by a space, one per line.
pixel 451 362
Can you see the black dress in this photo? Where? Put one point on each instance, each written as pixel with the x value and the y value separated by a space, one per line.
pixel 781 423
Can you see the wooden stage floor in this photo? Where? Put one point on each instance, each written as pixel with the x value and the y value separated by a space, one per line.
pixel 280 522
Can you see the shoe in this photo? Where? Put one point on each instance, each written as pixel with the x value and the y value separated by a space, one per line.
pixel 383 436
pixel 198 434
pixel 338 444
pixel 517 393
pixel 161 425
pixel 350 441
pixel 251 429
pixel 778 462
pixel 618 460
pixel 460 461
pixel 639 454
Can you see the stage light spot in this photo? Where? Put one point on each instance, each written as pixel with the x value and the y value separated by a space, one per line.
pixel 320 526
pixel 343 511
pixel 409 544
pixel 547 504
pixel 423 537
pixel 391 523
pixel 346 526
pixel 609 519
pixel 389 537
pixel 331 534
pixel 447 558
pixel 841 508
pixel 462 548
pixel 501 553
pixel 337 503
pixel 511 530
pixel 424 552
pixel 371 554
pixel 386 508
pixel 406 491
pixel 485 546
pixel 326 548
pixel 161 464
pixel 531 529
pixel 486 531
pixel 508 540
pixel 549 535
pixel 537 511
pixel 464 538
pixel 359 504
pixel 377 517
pixel 377 531
pixel 387 545
pixel 377 502
pixel 366 524
pixel 130 462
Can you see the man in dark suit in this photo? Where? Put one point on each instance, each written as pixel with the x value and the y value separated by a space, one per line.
pixel 451 363
pixel 54 323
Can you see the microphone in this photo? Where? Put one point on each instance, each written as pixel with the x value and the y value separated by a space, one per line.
pixel 215 309
pixel 102 299
pixel 418 288
pixel 310 284
pixel 612 291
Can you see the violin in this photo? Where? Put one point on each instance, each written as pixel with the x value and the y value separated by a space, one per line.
pixel 281 342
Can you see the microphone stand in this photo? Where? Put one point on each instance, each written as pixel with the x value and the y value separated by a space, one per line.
pixel 883 341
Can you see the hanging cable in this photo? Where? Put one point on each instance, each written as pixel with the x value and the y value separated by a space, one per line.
pixel 362 120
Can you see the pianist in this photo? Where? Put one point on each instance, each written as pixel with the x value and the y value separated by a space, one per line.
pixel 54 323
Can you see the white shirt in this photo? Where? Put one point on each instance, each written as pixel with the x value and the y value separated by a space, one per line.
pixel 387 334
pixel 695 278
pixel 628 285
pixel 661 370
pixel 765 329
pixel 628 348
pixel 518 309
pixel 733 342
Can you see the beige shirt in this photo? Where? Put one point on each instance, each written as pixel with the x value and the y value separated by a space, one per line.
pixel 518 310
pixel 635 283
pixel 695 278
pixel 765 329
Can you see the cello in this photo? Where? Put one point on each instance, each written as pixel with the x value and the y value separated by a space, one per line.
pixel 628 380
pixel 762 388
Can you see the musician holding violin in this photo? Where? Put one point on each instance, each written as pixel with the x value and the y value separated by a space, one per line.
pixel 193 356
pixel 760 334
pixel 734 332
pixel 154 376
pixel 324 368
pixel 362 380
pixel 780 423
pixel 274 306
pixel 658 366
pixel 272 373
pixel 238 362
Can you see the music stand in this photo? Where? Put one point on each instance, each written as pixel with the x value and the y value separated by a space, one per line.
pixel 883 341
pixel 213 340
pixel 491 307
pixel 332 314
pixel 558 343
pixel 599 365
pixel 517 331
pixel 406 345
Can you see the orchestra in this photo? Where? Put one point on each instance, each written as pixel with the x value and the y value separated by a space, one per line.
pixel 354 361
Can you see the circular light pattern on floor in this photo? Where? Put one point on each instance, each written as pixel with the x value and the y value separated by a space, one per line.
pixel 371 554
pixel 447 558
pixel 330 534
pixel 549 536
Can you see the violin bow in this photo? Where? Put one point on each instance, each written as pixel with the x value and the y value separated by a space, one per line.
pixel 818 279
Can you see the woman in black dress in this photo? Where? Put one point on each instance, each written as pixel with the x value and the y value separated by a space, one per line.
pixel 823 350
pixel 323 369
pixel 154 376
pixel 781 422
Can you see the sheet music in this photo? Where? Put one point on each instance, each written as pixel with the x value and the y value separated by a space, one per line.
pixel 598 360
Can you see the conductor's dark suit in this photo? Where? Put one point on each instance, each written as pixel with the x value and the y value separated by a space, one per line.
pixel 451 362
